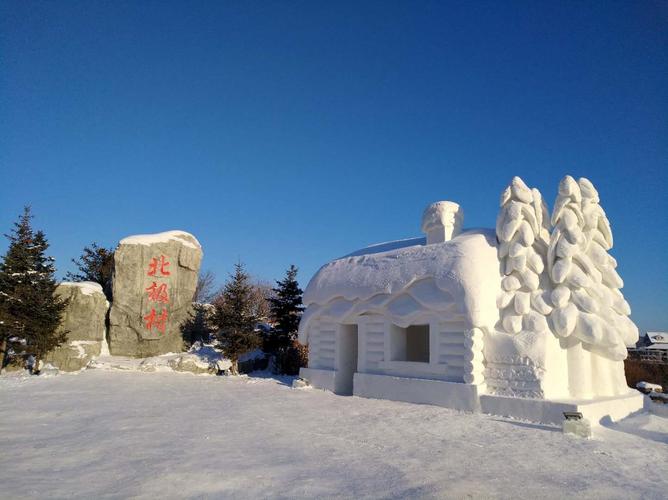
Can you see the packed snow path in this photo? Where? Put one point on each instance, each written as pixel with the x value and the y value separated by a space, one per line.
pixel 110 434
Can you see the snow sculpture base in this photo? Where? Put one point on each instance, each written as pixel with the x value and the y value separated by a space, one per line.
pixel 453 395
pixel 468 397
pixel 320 379
pixel 552 411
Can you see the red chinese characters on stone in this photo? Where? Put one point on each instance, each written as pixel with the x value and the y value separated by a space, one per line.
pixel 157 292
pixel 163 265
pixel 155 321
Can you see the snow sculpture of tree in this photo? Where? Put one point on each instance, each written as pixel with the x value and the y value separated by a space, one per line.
pixel 614 309
pixel 590 313
pixel 522 231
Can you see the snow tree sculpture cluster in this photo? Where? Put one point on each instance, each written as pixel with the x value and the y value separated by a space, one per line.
pixel 564 283
pixel 586 296
pixel 523 236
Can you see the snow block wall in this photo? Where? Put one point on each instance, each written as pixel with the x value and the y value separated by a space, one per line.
pixel 322 346
pixel 373 349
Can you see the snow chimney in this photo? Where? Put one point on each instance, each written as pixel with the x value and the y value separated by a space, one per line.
pixel 442 221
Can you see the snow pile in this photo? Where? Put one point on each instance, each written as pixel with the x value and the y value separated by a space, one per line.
pixel 648 387
pixel 659 397
pixel 79 346
pixel 201 359
pixel 149 239
pixel 86 287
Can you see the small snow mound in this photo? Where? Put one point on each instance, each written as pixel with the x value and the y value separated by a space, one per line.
pixel 48 370
pixel 201 359
pixel 647 387
pixel 300 383
pixel 148 239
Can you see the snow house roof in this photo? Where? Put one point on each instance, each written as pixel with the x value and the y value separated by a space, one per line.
pixel 407 280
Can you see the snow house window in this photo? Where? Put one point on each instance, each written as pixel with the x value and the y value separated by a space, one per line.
pixel 410 344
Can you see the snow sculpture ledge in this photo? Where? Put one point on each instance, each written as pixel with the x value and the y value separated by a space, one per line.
pixel 525 321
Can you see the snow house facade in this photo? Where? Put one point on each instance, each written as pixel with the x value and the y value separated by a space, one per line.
pixel 400 320
pixel 428 320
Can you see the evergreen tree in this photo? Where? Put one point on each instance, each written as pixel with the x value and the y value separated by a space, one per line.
pixel 236 319
pixel 95 264
pixel 204 291
pixel 199 326
pixel 30 313
pixel 286 311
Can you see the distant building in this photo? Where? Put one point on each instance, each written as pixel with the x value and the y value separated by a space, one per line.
pixel 651 348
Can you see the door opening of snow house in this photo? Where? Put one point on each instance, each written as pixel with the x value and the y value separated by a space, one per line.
pixel 409 344
pixel 347 343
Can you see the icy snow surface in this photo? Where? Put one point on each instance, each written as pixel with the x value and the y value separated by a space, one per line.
pixel 111 434
pixel 149 239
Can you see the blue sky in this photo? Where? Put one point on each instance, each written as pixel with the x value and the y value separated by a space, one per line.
pixel 295 132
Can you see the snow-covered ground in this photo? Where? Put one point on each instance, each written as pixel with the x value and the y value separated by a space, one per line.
pixel 115 434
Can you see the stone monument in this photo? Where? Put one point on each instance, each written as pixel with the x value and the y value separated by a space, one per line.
pixel 84 322
pixel 154 281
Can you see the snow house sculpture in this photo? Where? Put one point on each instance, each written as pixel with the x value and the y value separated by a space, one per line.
pixel 525 321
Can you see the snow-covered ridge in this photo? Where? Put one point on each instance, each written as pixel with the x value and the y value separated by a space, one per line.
pixel 86 287
pixel 374 270
pixel 387 246
pixel 407 279
pixel 148 239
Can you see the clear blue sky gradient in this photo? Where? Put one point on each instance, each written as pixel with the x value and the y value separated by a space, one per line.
pixel 296 132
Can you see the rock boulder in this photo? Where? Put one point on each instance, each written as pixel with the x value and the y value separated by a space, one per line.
pixel 155 277
pixel 84 322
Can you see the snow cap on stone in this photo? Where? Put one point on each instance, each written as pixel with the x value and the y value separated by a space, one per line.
pixel 86 287
pixel 149 239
